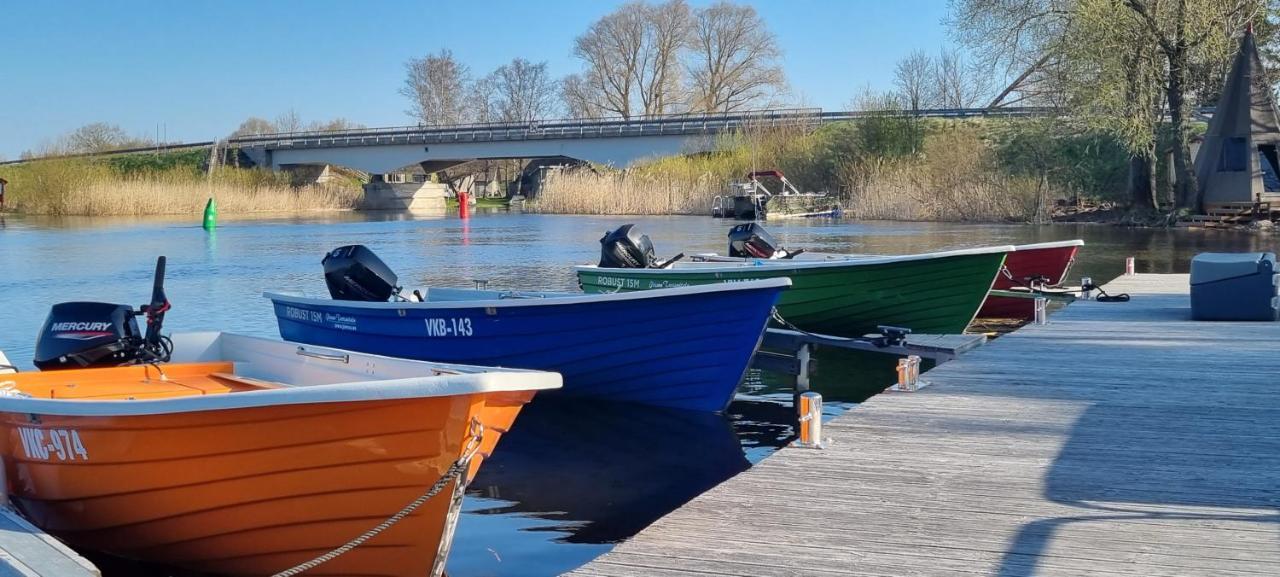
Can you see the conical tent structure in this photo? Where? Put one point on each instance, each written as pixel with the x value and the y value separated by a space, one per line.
pixel 1238 158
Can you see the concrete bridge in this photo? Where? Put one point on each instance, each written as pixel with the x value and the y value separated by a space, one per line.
pixel 618 142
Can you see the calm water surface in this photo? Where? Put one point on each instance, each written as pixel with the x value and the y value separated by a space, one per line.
pixel 553 496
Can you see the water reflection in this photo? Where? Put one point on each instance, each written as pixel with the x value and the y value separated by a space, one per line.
pixel 590 473
pixel 567 481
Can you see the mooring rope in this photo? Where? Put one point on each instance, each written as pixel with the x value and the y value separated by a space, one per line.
pixel 1103 297
pixel 455 471
pixel 773 313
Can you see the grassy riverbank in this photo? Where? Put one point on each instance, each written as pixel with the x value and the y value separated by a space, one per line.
pixel 174 183
pixel 880 168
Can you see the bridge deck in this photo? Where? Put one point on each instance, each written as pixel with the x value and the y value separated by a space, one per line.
pixel 1120 439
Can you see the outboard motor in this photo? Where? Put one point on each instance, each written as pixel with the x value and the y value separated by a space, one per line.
pixel 354 273
pixel 626 248
pixel 752 241
pixel 86 334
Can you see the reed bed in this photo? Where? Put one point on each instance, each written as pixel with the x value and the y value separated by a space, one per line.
pixel 954 176
pixel 886 192
pixel 80 188
pixel 583 192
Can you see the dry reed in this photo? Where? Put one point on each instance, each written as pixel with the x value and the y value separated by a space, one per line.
pixel 146 197
pixel 70 188
pixel 583 192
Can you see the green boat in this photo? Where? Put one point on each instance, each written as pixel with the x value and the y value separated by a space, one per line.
pixel 842 295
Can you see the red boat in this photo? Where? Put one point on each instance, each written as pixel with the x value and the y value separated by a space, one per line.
pixel 1047 259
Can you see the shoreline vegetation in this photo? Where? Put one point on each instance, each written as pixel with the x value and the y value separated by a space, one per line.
pixel 161 184
pixel 887 168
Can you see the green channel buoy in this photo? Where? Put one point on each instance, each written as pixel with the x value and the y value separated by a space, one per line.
pixel 210 215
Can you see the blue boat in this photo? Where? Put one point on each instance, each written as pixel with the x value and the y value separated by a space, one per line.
pixel 685 347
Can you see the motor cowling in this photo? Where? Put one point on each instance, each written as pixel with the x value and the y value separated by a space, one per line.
pixel 752 241
pixel 625 247
pixel 84 334
pixel 355 273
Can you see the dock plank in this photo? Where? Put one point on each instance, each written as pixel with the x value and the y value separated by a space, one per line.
pixel 1121 439
pixel 28 552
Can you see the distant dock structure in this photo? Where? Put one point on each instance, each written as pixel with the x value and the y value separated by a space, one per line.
pixel 1118 439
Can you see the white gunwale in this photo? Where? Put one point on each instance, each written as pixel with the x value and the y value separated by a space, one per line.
pixel 797 264
pixel 553 299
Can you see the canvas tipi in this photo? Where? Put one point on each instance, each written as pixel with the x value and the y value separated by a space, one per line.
pixel 1238 162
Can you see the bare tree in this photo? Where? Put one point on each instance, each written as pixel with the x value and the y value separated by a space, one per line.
pixel 578 98
pixel 289 122
pixel 956 83
pixel 734 61
pixel 521 91
pixel 666 33
pixel 483 104
pixel 1019 39
pixel 96 137
pixel 438 86
pixel 254 126
pixel 611 50
pixel 337 124
pixel 913 77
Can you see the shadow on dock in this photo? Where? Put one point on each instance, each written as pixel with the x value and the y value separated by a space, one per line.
pixel 1156 444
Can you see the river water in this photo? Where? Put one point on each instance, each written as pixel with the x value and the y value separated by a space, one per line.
pixel 552 497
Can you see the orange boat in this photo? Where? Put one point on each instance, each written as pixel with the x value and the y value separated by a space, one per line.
pixel 247 456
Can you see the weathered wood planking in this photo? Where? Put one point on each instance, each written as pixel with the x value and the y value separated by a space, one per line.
pixel 28 552
pixel 1120 439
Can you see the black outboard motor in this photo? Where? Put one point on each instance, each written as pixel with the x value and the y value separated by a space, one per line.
pixel 626 248
pixel 354 273
pixel 85 334
pixel 752 241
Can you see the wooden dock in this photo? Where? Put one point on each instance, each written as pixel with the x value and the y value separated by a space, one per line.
pixel 1119 439
pixel 29 552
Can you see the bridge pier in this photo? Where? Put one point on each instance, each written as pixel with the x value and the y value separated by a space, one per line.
pixel 411 196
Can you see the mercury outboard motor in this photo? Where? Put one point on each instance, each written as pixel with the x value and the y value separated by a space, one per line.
pixel 626 248
pixel 752 241
pixel 87 335
pixel 354 273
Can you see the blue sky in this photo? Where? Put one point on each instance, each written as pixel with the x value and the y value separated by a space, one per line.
pixel 199 68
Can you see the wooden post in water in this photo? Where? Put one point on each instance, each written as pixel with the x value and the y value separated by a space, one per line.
pixel 802 379
pixel 810 421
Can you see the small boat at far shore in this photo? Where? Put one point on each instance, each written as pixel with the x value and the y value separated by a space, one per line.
pixel 1043 263
pixel 684 348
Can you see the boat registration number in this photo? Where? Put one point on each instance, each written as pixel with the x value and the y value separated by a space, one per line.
pixel 449 327
pixel 62 444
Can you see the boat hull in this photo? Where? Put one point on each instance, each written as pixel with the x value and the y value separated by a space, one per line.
pixel 254 491
pixel 844 298
pixel 685 351
pixel 1052 260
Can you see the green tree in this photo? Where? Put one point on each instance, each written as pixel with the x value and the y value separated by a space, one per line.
pixel 1183 32
pixel 1114 86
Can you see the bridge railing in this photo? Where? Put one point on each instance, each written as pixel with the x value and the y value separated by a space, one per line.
pixel 671 124
pixel 674 124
